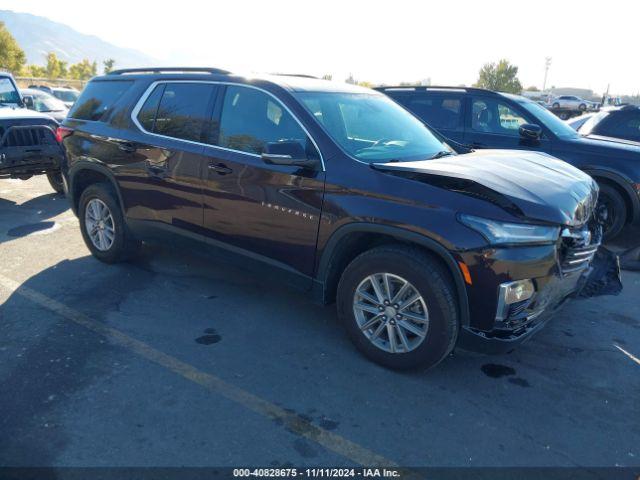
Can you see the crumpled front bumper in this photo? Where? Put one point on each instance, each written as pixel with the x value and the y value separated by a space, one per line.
pixel 601 278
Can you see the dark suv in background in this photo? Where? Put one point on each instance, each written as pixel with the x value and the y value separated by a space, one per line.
pixel 344 193
pixel 485 119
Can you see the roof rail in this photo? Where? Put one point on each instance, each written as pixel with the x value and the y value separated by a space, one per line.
pixel 213 71
pixel 303 75
pixel 434 87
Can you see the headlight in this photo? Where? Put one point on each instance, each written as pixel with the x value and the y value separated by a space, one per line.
pixel 499 233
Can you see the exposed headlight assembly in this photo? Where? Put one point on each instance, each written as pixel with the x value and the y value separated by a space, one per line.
pixel 500 233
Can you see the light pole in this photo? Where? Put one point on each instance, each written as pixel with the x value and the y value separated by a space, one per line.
pixel 547 64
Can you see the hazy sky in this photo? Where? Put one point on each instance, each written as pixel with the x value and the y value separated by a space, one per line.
pixel 592 43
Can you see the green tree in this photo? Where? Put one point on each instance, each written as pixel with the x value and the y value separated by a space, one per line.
pixel 12 57
pixel 501 76
pixel 108 65
pixel 55 68
pixel 35 71
pixel 83 70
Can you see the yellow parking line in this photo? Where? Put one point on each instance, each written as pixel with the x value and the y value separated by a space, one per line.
pixel 291 421
pixel 630 355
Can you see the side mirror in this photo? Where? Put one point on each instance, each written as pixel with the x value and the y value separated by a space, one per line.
pixel 287 153
pixel 530 131
pixel 28 102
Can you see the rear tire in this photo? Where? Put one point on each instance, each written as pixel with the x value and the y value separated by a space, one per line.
pixel 55 180
pixel 582 107
pixel 428 279
pixel 616 208
pixel 116 243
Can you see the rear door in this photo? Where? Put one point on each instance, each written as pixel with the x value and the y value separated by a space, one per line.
pixel 270 212
pixel 440 109
pixel 493 122
pixel 164 184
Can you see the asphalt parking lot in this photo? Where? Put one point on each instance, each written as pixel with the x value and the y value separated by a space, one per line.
pixel 178 360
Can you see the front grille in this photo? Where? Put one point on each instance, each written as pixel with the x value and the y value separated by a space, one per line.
pixel 27 137
pixel 578 248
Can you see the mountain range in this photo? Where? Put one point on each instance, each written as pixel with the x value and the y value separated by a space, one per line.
pixel 38 36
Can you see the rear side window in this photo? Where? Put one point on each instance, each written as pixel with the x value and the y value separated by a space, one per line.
pixel 439 111
pixel 177 110
pixel 98 98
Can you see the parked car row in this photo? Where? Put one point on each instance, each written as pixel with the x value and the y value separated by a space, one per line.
pixel 67 95
pixel 424 243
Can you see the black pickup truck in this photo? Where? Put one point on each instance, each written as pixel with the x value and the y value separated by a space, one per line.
pixel 28 140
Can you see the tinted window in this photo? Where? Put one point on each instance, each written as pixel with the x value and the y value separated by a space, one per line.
pixel 439 111
pixel 97 98
pixel 147 114
pixel 371 127
pixel 8 92
pixel 490 115
pixel 182 110
pixel 622 125
pixel 250 119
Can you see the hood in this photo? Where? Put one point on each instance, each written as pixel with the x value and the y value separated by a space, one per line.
pixel 9 113
pixel 531 185
pixel 601 138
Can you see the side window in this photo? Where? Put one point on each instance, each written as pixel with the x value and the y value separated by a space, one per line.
pixel 439 111
pixel 623 125
pixel 182 110
pixel 490 115
pixel 97 98
pixel 147 114
pixel 251 119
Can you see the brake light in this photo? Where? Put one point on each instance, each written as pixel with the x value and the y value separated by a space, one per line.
pixel 62 133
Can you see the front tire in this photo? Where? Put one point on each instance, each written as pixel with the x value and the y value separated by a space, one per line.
pixel 55 180
pixel 398 306
pixel 612 201
pixel 102 225
pixel 556 105
pixel 582 107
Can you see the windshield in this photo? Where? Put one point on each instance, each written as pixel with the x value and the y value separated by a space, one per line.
pixel 549 120
pixel 66 95
pixel 371 127
pixel 47 103
pixel 8 92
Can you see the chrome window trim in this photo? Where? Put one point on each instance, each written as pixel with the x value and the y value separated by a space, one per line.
pixel 136 110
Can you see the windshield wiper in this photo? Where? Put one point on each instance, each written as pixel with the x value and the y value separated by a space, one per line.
pixel 442 153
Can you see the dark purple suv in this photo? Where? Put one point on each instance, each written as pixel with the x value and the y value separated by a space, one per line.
pixel 344 193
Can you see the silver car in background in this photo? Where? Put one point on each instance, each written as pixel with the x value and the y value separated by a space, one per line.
pixel 571 102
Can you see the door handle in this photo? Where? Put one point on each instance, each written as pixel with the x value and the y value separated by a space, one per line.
pixel 220 168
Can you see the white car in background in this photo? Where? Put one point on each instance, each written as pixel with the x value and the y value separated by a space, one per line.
pixel 571 102
pixel 43 102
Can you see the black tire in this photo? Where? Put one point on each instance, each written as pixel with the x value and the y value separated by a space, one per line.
pixel 432 282
pixel 55 180
pixel 582 107
pixel 124 245
pixel 563 116
pixel 556 105
pixel 611 199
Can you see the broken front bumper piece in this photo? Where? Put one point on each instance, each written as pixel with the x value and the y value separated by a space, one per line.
pixel 518 322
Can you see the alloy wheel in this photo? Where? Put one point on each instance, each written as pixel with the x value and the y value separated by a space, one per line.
pixel 391 313
pixel 99 224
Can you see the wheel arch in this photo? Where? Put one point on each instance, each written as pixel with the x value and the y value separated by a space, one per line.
pixel 85 173
pixel 353 239
pixel 623 185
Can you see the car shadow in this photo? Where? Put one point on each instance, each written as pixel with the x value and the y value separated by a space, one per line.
pixel 32 216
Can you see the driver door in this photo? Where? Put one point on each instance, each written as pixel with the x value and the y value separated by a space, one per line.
pixel 269 212
pixel 494 123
